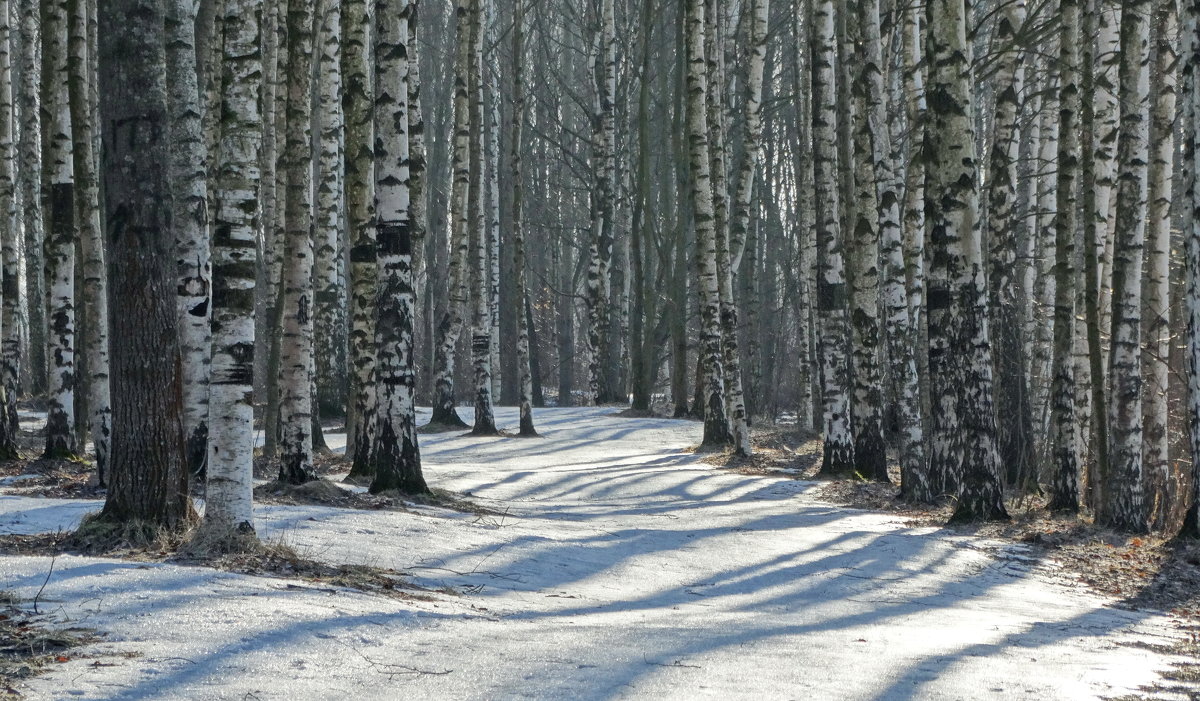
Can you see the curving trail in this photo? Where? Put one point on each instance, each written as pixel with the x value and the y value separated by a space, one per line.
pixel 622 568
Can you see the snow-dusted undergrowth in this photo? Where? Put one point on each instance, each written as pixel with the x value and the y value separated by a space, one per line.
pixel 623 568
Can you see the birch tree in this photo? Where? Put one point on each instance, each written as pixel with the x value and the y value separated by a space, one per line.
pixel 1123 506
pixel 1157 314
pixel 189 216
pixel 1065 465
pixel 358 99
pixel 870 453
pixel 296 348
pixel 60 237
pixel 397 456
pixel 838 453
pixel 481 333
pixel 517 235
pixel 10 357
pixel 1015 439
pixel 329 322
pixel 959 297
pixel 716 424
pixel 30 175
pixel 604 167
pixel 450 325
pixel 236 219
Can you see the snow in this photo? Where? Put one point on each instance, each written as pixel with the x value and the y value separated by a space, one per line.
pixel 622 567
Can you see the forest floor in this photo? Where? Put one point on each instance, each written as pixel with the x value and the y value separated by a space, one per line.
pixel 603 560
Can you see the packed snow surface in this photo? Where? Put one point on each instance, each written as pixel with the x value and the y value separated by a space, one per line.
pixel 623 567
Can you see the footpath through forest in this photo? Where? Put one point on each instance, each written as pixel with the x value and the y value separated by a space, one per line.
pixel 616 564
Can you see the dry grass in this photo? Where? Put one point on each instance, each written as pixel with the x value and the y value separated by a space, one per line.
pixel 30 643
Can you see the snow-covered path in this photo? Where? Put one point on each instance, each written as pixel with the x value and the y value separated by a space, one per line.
pixel 624 568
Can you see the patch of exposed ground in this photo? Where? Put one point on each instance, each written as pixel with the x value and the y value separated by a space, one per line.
pixel 31 642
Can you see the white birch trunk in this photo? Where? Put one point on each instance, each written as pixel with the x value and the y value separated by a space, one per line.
pixel 397 455
pixel 190 217
pixel 236 220
pixel 1123 505
pixel 716 424
pixel 10 354
pixel 1157 314
pixel 296 343
pixel 329 325
pixel 961 297
pixel 832 304
pixel 60 239
pixel 1063 426
pixel 358 98
pixel 870 452
pixel 458 272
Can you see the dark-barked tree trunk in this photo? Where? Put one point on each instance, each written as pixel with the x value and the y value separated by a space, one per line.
pixel 148 478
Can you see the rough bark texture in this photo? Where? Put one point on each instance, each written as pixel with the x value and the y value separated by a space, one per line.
pixel 1190 100
pixel 148 477
pixel 480 249
pixel 960 297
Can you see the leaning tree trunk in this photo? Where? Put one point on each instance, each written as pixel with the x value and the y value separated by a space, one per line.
pixel 716 425
pixel 952 206
pixel 450 325
pixel 1063 425
pixel 236 221
pixel 189 214
pixel 870 453
pixel 60 239
pixel 148 476
pixel 1158 285
pixel 9 363
pixel 358 99
pixel 517 236
pixel 1123 506
pixel 295 408
pixel 838 454
pixel 397 455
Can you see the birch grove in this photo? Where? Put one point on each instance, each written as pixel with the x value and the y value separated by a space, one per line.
pixel 951 244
